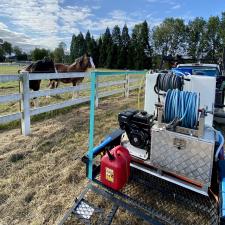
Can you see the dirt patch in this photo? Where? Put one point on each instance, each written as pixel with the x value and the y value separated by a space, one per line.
pixel 41 175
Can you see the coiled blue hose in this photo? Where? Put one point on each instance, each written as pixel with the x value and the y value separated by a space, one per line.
pixel 181 106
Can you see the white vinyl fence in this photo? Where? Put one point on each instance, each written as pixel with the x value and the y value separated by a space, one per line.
pixel 26 95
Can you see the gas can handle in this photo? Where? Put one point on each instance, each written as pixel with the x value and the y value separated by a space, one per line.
pixel 123 156
pixel 111 156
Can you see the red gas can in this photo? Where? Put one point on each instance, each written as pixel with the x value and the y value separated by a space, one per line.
pixel 115 168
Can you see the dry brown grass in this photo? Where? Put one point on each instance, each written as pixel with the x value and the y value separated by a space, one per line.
pixel 40 175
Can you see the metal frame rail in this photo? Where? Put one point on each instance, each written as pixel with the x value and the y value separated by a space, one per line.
pixel 94 77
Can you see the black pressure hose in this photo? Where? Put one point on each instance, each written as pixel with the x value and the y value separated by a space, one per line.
pixel 169 81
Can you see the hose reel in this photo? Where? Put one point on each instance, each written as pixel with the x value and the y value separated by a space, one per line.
pixel 165 82
pixel 180 107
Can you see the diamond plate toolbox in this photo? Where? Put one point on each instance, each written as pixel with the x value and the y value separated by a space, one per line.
pixel 183 155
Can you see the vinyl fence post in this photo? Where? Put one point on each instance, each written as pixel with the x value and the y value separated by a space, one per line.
pixel 127 85
pixel 25 103
pixel 96 92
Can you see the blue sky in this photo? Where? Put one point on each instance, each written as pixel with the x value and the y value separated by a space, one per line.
pixel 44 23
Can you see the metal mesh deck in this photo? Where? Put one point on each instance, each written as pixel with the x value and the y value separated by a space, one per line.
pixel 167 202
pixel 147 198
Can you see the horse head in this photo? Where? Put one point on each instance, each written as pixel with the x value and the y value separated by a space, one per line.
pixel 82 63
pixel 88 61
pixel 26 68
pixel 45 65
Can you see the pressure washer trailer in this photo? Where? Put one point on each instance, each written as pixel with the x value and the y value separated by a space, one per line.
pixel 182 138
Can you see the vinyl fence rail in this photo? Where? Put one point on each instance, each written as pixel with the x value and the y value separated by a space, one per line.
pixel 25 95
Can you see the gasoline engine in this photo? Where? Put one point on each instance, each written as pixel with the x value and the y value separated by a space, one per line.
pixel 174 138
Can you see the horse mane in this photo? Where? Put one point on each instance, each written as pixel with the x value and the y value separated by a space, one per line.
pixel 44 65
pixel 78 60
pixel 29 66
pixel 26 68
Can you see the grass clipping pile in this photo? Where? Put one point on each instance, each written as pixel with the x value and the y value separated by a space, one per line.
pixel 41 175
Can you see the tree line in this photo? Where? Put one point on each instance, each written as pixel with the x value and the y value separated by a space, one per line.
pixel 142 47
pixel 6 49
pixel 9 53
pixel 116 49
pixel 146 48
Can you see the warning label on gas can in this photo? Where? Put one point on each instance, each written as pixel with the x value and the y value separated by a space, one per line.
pixel 109 175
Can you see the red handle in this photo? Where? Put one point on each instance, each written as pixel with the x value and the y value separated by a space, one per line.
pixel 123 156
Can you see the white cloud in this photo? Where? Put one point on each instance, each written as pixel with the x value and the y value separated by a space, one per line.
pixel 115 17
pixel 17 38
pixel 177 6
pixel 3 26
pixel 43 21
pixel 96 7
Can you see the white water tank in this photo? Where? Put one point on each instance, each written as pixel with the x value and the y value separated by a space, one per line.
pixel 204 85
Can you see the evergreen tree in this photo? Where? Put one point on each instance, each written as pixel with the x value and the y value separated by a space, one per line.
pixel 137 46
pixel 95 53
pixel 106 51
pixel 78 46
pixel 116 46
pixel 140 50
pixel 145 44
pixel 99 47
pixel 131 54
pixel 81 44
pixel 72 50
pixel 111 53
pixel 116 36
pixel 123 52
pixel 134 48
pixel 89 43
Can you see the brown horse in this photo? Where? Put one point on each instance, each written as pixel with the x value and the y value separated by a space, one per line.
pixel 80 65
pixel 45 65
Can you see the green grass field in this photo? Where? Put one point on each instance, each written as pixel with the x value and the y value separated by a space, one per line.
pixel 9 69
